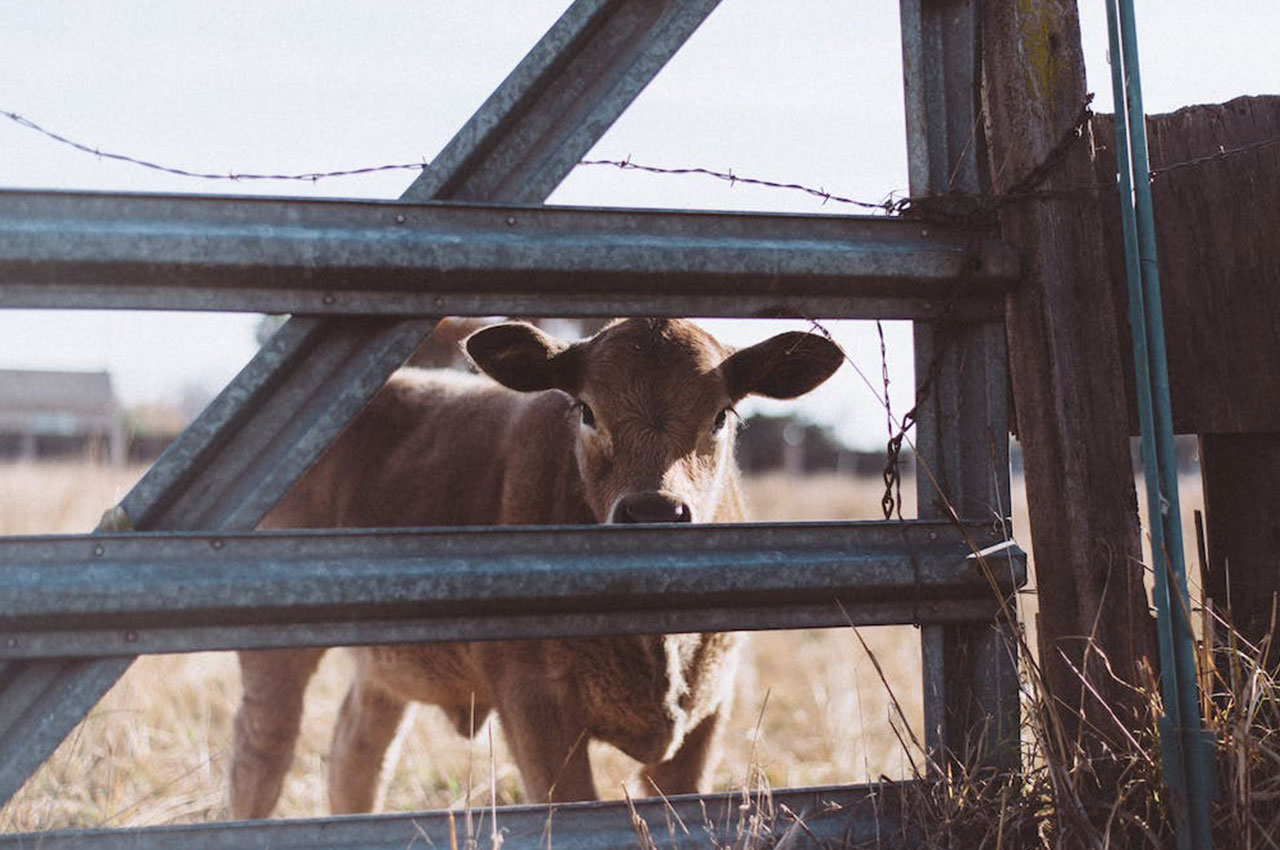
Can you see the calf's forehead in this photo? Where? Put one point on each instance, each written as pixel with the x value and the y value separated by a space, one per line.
pixel 656 361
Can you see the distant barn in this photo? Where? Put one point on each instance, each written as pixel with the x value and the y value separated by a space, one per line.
pixel 58 414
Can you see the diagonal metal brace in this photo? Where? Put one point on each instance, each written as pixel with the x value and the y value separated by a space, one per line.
pixel 518 147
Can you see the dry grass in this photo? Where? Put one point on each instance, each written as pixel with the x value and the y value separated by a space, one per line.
pixel 810 709
pixel 59 498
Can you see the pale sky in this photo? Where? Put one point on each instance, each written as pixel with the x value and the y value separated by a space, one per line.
pixel 807 91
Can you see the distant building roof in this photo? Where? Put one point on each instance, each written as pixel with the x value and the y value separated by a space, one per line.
pixel 30 398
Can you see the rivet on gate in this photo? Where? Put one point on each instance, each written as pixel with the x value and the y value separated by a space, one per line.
pixel 130 637
pixel 98 551
pixel 11 643
pixel 924 231
pixel 438 301
pixel 217 544
pixel 511 220
pixel 400 218
pixel 933 535
pixel 329 298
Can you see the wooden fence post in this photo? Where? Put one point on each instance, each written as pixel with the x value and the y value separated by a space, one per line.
pixel 1217 204
pixel 1067 368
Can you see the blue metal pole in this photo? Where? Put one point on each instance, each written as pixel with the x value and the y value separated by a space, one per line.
pixel 1185 751
pixel 1171 752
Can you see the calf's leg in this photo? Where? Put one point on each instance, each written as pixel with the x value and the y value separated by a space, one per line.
pixel 359 766
pixel 689 769
pixel 548 739
pixel 266 726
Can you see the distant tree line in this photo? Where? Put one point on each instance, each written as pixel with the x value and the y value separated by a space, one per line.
pixel 792 445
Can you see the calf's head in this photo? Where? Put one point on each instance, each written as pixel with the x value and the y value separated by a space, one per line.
pixel 654 404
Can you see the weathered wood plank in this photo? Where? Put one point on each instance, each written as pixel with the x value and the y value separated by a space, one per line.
pixel 1216 233
pixel 1242 495
pixel 1217 222
pixel 1067 367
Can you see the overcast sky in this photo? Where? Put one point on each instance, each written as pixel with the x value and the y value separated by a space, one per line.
pixel 807 91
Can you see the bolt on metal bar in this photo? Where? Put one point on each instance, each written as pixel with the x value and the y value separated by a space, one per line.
pixel 1186 749
pixel 175 592
pixel 549 124
pixel 352 257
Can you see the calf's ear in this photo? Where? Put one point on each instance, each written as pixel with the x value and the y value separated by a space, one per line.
pixel 520 356
pixel 784 366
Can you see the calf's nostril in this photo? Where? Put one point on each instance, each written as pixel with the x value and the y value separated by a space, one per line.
pixel 651 507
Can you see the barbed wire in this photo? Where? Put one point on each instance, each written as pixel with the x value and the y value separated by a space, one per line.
pixel 889 205
pixel 1217 156
pixel 312 176
pixel 952 206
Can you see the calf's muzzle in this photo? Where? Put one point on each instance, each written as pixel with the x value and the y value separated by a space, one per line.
pixel 657 506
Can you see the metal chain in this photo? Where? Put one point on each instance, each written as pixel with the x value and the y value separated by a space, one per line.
pixel 891 501
pixel 966 211
pixel 892 478
pixel 1054 157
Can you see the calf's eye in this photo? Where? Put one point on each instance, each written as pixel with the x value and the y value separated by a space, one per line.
pixel 721 418
pixel 588 416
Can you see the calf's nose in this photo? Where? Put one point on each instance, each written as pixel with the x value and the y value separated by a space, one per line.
pixel 651 507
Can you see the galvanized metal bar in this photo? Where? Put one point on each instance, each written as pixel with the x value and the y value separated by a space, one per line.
pixel 940 58
pixel 806 819
pixel 934 693
pixel 560 100
pixel 325 257
pixel 962 435
pixel 53 645
pixel 553 123
pixel 125 594
pixel 972 713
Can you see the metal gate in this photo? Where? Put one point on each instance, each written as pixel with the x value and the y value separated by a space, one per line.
pixel 362 281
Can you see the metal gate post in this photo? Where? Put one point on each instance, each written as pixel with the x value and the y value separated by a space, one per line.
pixel 971 684
pixel 297 395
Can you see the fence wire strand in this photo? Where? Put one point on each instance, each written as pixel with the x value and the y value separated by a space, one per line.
pixel 888 206
pixel 311 176
pixel 1025 188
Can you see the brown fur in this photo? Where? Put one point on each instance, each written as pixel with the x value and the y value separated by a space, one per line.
pixel 437 448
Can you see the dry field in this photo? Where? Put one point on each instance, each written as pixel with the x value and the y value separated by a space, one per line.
pixel 810 708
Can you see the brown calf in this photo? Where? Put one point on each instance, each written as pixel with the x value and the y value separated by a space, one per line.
pixel 631 425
